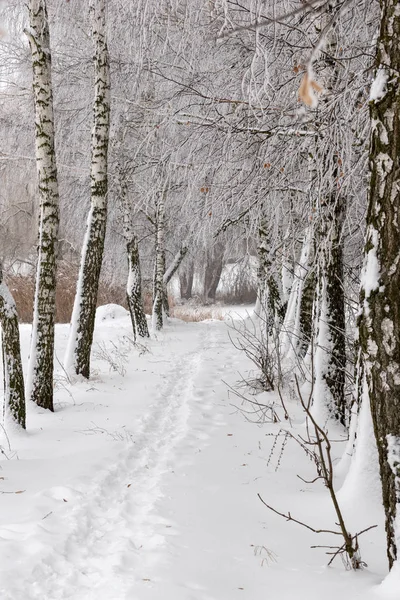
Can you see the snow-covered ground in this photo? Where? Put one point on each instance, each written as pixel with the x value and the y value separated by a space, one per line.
pixel 143 485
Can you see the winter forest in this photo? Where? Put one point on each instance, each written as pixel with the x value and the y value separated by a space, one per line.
pixel 199 299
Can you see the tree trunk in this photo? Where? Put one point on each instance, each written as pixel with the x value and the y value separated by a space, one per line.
pixel 41 360
pixel 84 312
pixel 159 288
pixel 306 313
pixel 14 394
pixel 186 282
pixel 330 349
pixel 291 338
pixel 134 289
pixel 134 282
pixel 271 305
pixel 331 339
pixel 380 322
pixel 213 271
pixel 176 263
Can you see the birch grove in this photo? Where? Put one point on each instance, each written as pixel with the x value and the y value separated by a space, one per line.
pixel 234 147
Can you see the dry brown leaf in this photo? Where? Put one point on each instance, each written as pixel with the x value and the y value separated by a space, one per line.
pixel 315 86
pixel 307 88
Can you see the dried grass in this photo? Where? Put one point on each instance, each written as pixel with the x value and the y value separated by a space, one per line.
pixel 195 314
pixel 22 288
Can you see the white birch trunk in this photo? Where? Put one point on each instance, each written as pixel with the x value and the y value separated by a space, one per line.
pixel 176 263
pixel 291 334
pixel 134 281
pixel 41 361
pixel 14 395
pixel 158 316
pixel 330 349
pixel 83 316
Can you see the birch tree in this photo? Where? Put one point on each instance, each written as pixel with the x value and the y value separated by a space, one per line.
pixel 14 394
pixel 134 281
pixel 40 374
pixel 159 267
pixel 83 316
pixel 380 323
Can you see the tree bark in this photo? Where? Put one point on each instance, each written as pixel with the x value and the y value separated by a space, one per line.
pixel 306 313
pixel 159 270
pixel 84 312
pixel 271 303
pixel 134 288
pixel 330 348
pixel 176 263
pixel 134 282
pixel 331 338
pixel 41 360
pixel 380 322
pixel 14 394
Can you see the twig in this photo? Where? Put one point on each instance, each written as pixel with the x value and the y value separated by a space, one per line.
pixel 289 517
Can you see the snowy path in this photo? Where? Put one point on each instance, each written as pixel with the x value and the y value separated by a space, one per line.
pixel 144 487
pixel 95 549
pixel 109 526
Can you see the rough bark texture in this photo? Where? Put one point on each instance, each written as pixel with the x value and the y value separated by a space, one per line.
pixel 134 289
pixel 14 394
pixel 330 294
pixel 306 312
pixel 40 378
pixel 269 293
pixel 380 322
pixel 159 270
pixel 84 312
pixel 331 209
pixel 134 281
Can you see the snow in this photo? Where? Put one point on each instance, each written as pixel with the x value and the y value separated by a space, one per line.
pixel 110 312
pixel 8 301
pixel 144 486
pixel 371 270
pixel 378 86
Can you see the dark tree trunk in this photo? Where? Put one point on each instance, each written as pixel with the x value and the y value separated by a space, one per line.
pixel 134 289
pixel 213 271
pixel 380 322
pixel 331 209
pixel 186 282
pixel 330 292
pixel 306 313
